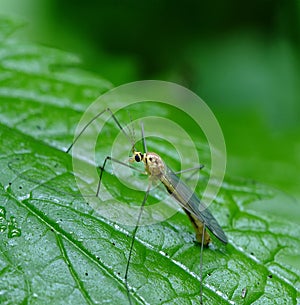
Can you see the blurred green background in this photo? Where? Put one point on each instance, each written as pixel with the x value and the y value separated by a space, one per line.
pixel 241 58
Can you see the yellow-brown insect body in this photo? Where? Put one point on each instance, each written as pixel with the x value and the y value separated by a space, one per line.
pixel 154 165
pixel 156 169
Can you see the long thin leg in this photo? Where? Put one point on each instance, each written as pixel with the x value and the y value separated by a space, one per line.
pixel 133 238
pixel 201 264
pixel 198 167
pixel 195 169
pixel 116 161
pixel 93 119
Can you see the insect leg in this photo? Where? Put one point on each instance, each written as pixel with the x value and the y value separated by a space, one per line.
pixel 133 239
pixel 101 168
pixel 92 120
pixel 201 264
pixel 194 169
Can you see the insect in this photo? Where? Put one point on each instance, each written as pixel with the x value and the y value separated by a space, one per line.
pixel 157 170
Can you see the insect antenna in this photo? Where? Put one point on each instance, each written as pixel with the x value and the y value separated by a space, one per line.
pixel 143 138
pixel 95 118
pixel 131 132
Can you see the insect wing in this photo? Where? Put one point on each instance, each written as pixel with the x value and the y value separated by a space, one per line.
pixel 190 201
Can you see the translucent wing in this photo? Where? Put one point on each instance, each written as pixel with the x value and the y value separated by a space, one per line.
pixel 189 201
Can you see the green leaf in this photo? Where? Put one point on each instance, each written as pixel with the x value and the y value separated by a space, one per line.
pixel 56 249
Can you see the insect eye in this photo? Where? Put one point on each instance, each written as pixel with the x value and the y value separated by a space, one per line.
pixel 150 159
pixel 137 158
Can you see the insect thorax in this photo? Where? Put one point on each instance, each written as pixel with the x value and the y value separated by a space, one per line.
pixel 154 164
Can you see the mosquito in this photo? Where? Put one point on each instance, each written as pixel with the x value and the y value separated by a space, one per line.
pixel 157 170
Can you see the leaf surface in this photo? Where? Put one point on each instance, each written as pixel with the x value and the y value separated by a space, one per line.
pixel 56 249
